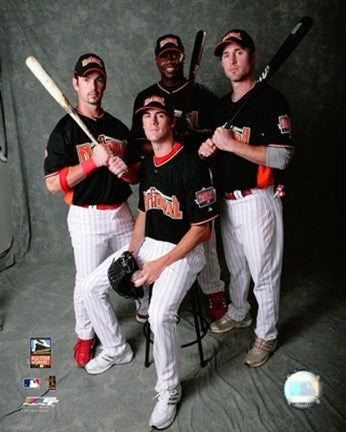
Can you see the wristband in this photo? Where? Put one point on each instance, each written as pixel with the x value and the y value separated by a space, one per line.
pixel 63 179
pixel 88 166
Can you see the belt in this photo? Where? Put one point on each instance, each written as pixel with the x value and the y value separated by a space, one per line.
pixel 102 206
pixel 237 194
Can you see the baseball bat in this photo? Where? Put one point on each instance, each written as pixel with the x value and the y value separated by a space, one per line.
pixel 281 55
pixel 49 84
pixel 194 64
pixel 286 48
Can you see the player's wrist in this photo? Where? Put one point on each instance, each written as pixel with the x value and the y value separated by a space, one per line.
pixel 88 166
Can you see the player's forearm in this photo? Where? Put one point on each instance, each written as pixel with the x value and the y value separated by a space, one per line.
pixel 138 233
pixel 255 154
pixel 195 235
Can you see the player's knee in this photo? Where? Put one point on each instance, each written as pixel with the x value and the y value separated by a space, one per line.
pixel 158 318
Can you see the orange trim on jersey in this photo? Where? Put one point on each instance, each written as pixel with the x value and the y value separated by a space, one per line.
pixel 158 161
pixel 265 177
pixel 205 221
pixel 132 175
pixel 68 198
pixel 172 91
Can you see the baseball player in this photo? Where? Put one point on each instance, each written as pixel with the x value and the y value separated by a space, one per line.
pixel 176 206
pixel 99 216
pixel 195 123
pixel 245 158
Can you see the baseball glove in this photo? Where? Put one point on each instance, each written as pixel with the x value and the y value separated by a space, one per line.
pixel 120 273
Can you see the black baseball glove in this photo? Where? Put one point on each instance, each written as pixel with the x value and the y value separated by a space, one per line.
pixel 120 273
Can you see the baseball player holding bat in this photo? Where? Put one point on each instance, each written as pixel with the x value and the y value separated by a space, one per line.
pixel 99 217
pixel 195 112
pixel 176 206
pixel 246 156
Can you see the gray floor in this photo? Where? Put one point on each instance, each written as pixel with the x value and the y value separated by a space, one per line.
pixel 224 396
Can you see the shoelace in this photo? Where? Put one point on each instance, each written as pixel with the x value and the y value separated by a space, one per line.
pixel 167 398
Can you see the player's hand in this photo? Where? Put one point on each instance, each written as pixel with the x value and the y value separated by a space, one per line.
pixel 101 155
pixel 117 166
pixel 207 148
pixel 150 272
pixel 223 139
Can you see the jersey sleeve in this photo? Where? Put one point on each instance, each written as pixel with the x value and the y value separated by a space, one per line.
pixel 58 152
pixel 201 195
pixel 278 124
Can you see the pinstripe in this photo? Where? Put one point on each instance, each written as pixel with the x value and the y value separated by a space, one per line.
pixel 209 278
pixel 93 232
pixel 168 292
pixel 252 232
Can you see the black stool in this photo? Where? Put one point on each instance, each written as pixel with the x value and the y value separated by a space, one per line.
pixel 201 326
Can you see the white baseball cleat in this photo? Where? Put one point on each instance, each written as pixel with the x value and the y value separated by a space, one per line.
pixel 104 361
pixel 166 408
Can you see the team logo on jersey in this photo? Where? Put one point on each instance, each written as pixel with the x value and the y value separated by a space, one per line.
pixel 84 152
pixel 241 134
pixel 205 197
pixel 285 124
pixel 116 146
pixel 156 200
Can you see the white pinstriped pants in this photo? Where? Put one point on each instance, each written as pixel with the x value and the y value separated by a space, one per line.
pixel 94 234
pixel 167 294
pixel 252 235
pixel 209 278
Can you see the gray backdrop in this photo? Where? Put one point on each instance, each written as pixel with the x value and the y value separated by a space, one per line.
pixel 123 33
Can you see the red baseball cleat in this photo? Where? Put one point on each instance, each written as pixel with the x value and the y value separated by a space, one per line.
pixel 83 351
pixel 217 304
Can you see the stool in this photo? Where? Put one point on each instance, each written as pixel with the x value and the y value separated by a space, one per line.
pixel 200 323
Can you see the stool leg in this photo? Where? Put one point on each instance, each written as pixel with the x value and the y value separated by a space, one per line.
pixel 147 344
pixel 195 301
pixel 147 332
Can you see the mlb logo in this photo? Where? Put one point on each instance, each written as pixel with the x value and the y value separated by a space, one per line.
pixel 31 383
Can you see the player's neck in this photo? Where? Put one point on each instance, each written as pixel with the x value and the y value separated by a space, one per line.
pixel 162 148
pixel 240 88
pixel 172 82
pixel 88 110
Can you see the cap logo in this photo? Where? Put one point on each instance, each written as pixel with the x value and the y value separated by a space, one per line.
pixel 236 35
pixel 91 59
pixel 158 99
pixel 167 40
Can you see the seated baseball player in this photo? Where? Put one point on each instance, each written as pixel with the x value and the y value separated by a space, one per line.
pixel 176 204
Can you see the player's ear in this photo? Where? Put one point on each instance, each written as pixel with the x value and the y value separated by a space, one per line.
pixel 173 121
pixel 253 58
pixel 75 82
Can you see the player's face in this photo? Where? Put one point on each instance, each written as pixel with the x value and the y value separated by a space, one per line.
pixel 90 88
pixel 170 64
pixel 157 125
pixel 237 62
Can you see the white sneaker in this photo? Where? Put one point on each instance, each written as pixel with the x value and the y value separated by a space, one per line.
pixel 165 408
pixel 104 361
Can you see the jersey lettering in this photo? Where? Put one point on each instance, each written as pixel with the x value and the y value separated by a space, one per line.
pixel 241 134
pixel 84 152
pixel 116 146
pixel 156 200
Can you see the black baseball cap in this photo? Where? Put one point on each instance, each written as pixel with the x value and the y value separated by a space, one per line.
pixel 240 37
pixel 155 101
pixel 89 62
pixel 169 42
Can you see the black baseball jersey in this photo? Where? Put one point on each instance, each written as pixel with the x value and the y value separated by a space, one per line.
pixel 201 108
pixel 264 120
pixel 68 146
pixel 175 193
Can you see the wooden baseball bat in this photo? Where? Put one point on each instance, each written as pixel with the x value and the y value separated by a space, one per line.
pixel 49 84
